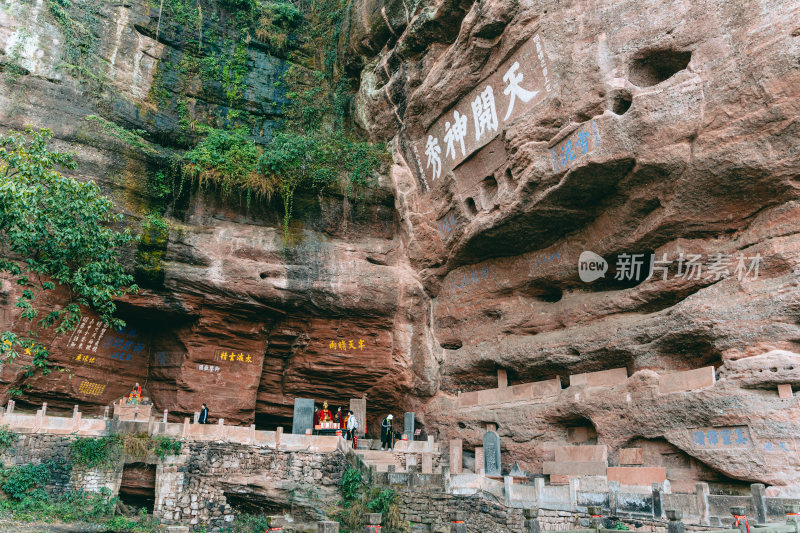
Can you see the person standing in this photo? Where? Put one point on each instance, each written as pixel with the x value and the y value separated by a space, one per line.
pixel 387 433
pixel 352 426
pixel 339 418
pixel 316 416
pixel 203 415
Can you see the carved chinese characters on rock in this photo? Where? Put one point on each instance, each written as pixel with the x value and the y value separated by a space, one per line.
pixel 233 356
pixel 517 86
pixel 345 345
pixel 87 335
pixel 721 438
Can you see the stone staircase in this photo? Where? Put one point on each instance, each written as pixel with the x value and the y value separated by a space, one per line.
pixel 381 461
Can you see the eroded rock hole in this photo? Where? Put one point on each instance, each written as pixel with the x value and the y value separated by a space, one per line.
pixel 621 102
pixel 451 344
pixel 471 207
pixel 138 486
pixel 655 66
pixel 263 275
pixel 509 177
pixel 488 191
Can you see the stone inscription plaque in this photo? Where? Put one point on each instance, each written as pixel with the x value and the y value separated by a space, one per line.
pixel 359 408
pixel 517 86
pixel 491 453
pixel 408 425
pixel 303 415
pixel 721 438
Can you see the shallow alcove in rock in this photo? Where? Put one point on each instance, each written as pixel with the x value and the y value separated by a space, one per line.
pixel 138 486
pixel 488 192
pixel 621 102
pixel 654 66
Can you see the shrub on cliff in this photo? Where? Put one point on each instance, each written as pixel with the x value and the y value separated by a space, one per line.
pixel 55 231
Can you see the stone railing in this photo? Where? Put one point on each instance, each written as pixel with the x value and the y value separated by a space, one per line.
pixel 137 419
pixel 546 391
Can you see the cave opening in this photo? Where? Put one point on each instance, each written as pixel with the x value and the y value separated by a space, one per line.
pixel 655 66
pixel 138 486
pixel 471 207
pixel 272 421
pixel 621 102
pixel 488 191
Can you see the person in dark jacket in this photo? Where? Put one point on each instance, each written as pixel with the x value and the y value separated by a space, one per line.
pixel 387 433
pixel 203 415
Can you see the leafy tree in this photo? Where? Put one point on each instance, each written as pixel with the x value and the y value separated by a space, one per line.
pixel 55 231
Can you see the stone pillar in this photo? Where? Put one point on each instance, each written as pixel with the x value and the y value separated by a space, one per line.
pixel 595 517
pixel 758 491
pixel 10 408
pixel 458 522
pixel 739 519
pixel 427 463
pixel 507 482
pixel 455 456
pixel 278 436
pixel 252 436
pixel 792 516
pixel 165 416
pixel 221 429
pixel 531 521
pixel 327 527
pixel 658 500
pixel 186 427
pixel 44 409
pixel 76 420
pixel 702 504
pixel 538 483
pixel 408 425
pixel 430 443
pixel 373 523
pixel 196 417
pixel 359 408
pixel 479 468
pixel 105 413
pixel 675 525
pixel 502 379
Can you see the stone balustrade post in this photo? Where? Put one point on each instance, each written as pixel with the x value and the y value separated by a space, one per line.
pixel 186 427
pixel 373 523
pixel 792 516
pixel 759 492
pixel 595 517
pixel 165 415
pixel 740 519
pixel 458 522
pixel 105 413
pixel 44 408
pixel 196 417
pixel 326 526
pixel 675 525
pixel 702 503
pixel 531 521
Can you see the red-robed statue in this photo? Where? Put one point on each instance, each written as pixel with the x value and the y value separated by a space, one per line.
pixel 325 415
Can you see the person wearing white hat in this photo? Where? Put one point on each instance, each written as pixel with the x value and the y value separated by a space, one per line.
pixel 386 433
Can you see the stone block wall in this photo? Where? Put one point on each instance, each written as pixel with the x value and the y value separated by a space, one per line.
pixel 195 487
pixel 40 448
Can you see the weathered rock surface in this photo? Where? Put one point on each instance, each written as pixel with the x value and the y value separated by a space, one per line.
pixel 666 129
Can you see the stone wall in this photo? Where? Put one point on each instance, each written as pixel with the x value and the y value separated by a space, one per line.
pixel 206 483
pixel 43 448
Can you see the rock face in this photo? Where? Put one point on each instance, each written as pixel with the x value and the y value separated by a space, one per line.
pixel 658 136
